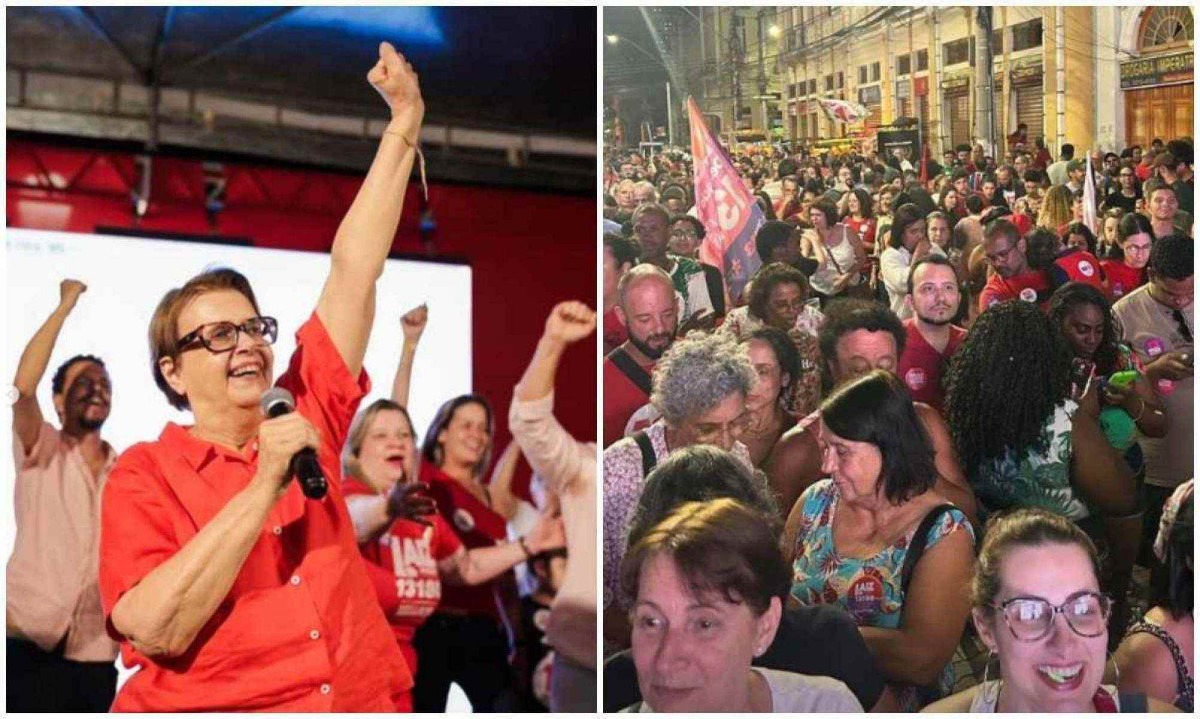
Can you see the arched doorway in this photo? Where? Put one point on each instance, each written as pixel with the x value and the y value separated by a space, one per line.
pixel 1159 85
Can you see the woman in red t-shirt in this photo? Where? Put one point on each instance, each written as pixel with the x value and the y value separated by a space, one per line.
pixel 410 549
pixel 857 215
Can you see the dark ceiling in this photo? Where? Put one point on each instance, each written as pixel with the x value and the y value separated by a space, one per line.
pixel 528 69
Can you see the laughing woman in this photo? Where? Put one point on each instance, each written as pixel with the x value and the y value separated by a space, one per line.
pixel 227 588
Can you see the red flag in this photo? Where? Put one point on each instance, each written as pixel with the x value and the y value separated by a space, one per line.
pixel 729 213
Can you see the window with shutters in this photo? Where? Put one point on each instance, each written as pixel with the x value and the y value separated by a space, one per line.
pixel 1166 27
pixel 841 79
pixel 904 65
pixel 998 41
pixel 1027 35
pixel 812 86
pixel 922 60
pixel 862 74
pixel 874 72
pixel 829 82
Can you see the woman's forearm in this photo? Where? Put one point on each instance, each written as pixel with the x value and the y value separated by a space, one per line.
pixel 476 566
pixel 164 612
pixel 902 657
pixel 369 515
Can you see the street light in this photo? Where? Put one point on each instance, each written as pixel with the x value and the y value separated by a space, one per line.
pixel 774 31
pixel 612 39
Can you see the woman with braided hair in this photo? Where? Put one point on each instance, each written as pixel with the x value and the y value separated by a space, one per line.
pixel 1026 439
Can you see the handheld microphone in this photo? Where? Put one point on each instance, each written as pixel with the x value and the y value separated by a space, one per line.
pixel 277 402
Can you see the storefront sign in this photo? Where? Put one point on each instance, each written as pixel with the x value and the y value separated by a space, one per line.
pixel 1162 70
pixel 956 82
pixel 1025 73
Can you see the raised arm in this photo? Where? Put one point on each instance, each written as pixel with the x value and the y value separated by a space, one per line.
pixel 27 415
pixel 413 324
pixel 347 302
pixel 499 487
pixel 546 445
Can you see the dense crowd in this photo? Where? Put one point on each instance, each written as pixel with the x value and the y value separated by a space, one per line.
pixel 953 402
pixel 285 551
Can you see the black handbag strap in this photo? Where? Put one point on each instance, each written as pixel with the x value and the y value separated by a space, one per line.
pixel 917 547
pixel 634 371
pixel 649 459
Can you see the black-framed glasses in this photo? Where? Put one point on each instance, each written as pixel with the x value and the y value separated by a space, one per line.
pixel 1031 618
pixel 223 336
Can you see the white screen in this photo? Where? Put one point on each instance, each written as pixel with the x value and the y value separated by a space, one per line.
pixel 126 277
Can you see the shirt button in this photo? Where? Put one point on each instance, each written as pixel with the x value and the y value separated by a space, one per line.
pixel 277 530
pixel 295 580
pixel 314 634
pixel 325 688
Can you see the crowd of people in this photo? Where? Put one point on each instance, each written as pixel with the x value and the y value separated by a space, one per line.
pixel 310 559
pixel 953 402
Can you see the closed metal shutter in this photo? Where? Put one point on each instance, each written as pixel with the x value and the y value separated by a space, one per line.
pixel 959 118
pixel 1030 108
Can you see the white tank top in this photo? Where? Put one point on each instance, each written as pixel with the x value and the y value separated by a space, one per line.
pixel 840 256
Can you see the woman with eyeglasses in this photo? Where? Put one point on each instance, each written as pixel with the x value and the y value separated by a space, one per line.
pixel 1127 271
pixel 228 588
pixel 1126 193
pixel 1038 608
pixel 778 298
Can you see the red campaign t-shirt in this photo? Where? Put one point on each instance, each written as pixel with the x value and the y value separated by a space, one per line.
pixel 1078 265
pixel 1031 286
pixel 300 630
pixel 1122 279
pixel 614 332
pixel 921 366
pixel 402 564
pixel 621 399
pixel 475 525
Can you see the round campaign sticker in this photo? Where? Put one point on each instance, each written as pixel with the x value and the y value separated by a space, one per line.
pixel 463 521
pixel 1029 294
pixel 1154 347
pixel 1118 289
pixel 1165 386
pixel 541 619
pixel 915 378
pixel 865 598
pixel 1086 268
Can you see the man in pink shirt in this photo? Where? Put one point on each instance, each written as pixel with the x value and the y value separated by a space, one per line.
pixel 59 657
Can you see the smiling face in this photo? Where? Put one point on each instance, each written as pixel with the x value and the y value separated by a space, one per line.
pixel 685 241
pixel 466 436
pixel 855 467
pixel 1163 204
pixel 860 351
pixel 693 653
pixel 216 383
pixel 1061 671
pixel 86 399
pixel 389 450
pixel 784 304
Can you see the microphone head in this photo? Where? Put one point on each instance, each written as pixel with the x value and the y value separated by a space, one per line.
pixel 277 401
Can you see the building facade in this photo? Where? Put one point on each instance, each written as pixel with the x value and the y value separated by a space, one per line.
pixel 1102 77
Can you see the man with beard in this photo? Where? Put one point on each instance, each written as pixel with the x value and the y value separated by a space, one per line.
pixel 648 308
pixel 1005 250
pixel 931 338
pixel 60 659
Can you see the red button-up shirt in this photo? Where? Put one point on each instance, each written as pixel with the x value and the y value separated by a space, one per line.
pixel 301 629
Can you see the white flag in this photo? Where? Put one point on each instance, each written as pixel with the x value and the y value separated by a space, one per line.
pixel 1089 197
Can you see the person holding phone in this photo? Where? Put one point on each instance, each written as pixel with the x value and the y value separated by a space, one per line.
pixel 1157 321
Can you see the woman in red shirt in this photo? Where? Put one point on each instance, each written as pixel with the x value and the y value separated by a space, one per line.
pixel 857 215
pixel 229 589
pixel 410 549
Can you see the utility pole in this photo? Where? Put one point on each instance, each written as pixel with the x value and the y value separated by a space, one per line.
pixel 737 55
pixel 984 94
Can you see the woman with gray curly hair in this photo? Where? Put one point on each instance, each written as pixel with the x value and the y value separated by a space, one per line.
pixel 700 388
